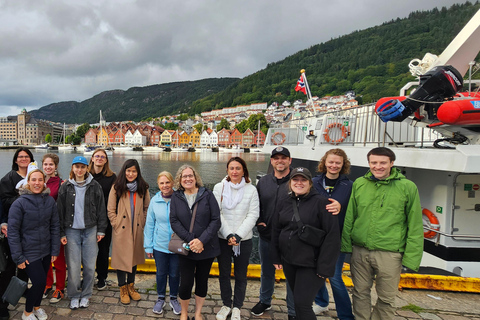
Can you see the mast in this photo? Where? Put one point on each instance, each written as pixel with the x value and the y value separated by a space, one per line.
pixel 309 94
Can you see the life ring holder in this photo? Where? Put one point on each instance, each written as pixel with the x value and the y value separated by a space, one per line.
pixel 274 140
pixel 432 223
pixel 326 133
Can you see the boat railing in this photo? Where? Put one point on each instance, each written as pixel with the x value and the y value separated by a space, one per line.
pixel 352 126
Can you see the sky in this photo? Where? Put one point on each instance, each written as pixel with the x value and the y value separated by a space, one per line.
pixel 52 51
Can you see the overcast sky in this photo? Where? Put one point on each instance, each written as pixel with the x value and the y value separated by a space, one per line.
pixel 52 51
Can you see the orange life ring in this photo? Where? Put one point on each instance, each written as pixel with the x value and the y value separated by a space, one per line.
pixel 326 133
pixel 431 221
pixel 278 142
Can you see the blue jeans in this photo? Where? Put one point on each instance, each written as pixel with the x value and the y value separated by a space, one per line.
pixel 340 293
pixel 81 250
pixel 167 265
pixel 267 277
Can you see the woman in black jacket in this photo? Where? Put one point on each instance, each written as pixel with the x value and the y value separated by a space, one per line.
pixel 305 264
pixel 202 241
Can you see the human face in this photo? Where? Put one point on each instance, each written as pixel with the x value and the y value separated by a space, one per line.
pixel 300 185
pixel 79 169
pixel 23 159
pixel 99 159
pixel 280 163
pixel 131 174
pixel 235 171
pixel 188 180
pixel 380 166
pixel 36 182
pixel 165 185
pixel 49 167
pixel 334 165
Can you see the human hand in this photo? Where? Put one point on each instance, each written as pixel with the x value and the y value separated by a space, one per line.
pixel 53 259
pixel 334 207
pixel 196 246
pixel 278 266
pixel 99 238
pixel 23 265
pixel 4 230
pixel 150 255
pixel 63 240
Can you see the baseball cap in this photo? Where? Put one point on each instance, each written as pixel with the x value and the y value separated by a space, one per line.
pixel 300 171
pixel 280 150
pixel 80 159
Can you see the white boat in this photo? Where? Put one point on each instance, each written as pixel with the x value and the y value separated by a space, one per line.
pixel 67 147
pixel 123 149
pixel 43 146
pixel 152 149
pixel 442 159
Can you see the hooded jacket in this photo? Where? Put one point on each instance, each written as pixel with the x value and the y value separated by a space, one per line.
pixel 287 246
pixel 385 215
pixel 8 193
pixel 33 227
pixel 157 231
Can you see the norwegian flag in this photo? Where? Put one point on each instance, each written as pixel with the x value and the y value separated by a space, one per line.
pixel 301 85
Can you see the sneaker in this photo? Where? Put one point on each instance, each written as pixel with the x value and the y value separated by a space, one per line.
pixel 101 285
pixel 84 303
pixel 223 313
pixel 57 296
pixel 236 314
pixel 29 317
pixel 46 292
pixel 260 308
pixel 40 314
pixel 319 309
pixel 74 303
pixel 175 305
pixel 158 307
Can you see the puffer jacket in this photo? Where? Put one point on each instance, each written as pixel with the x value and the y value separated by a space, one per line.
pixel 157 231
pixel 385 215
pixel 241 219
pixel 287 246
pixel 33 227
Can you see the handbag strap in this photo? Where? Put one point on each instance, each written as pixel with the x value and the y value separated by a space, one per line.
pixel 296 215
pixel 193 216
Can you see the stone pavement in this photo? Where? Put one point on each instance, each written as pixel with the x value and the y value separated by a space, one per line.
pixel 105 305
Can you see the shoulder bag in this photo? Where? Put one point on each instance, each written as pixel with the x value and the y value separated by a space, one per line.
pixel 14 291
pixel 307 233
pixel 176 244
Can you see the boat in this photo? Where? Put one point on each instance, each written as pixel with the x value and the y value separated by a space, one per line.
pixel 152 149
pixel 434 131
pixel 43 146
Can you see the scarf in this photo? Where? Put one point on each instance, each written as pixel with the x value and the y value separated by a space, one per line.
pixel 230 201
pixel 132 186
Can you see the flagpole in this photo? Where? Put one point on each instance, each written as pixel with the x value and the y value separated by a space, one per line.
pixel 309 94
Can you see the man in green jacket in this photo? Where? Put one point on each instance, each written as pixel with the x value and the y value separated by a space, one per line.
pixel 383 230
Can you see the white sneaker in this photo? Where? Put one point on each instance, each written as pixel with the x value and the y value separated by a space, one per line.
pixel 30 317
pixel 40 314
pixel 235 314
pixel 319 309
pixel 223 313
pixel 84 303
pixel 74 303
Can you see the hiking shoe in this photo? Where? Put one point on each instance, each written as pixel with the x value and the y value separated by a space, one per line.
pixel 260 308
pixel 84 303
pixel 74 303
pixel 40 314
pixel 46 292
pixel 101 285
pixel 57 296
pixel 175 305
pixel 235 314
pixel 319 309
pixel 158 307
pixel 223 313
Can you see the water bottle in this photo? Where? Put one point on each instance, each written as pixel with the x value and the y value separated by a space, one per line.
pixel 186 246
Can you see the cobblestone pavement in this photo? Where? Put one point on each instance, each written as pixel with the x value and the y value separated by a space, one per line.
pixel 105 305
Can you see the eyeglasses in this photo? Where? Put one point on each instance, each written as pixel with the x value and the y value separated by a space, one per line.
pixel 23 157
pixel 188 176
pixel 99 157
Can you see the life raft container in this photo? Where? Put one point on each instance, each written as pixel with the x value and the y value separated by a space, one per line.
pixel 278 138
pixel 343 136
pixel 460 112
pixel 430 221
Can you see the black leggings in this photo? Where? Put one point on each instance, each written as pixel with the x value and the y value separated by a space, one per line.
pixel 123 276
pixel 190 271
pixel 305 284
pixel 37 272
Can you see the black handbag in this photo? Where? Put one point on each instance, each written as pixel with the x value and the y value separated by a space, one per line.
pixel 307 233
pixel 3 253
pixel 14 291
pixel 176 244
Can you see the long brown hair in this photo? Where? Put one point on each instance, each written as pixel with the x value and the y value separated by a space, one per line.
pixel 244 166
pixel 120 184
pixel 106 171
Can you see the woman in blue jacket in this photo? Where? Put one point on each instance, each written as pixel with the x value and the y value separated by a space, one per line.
pixel 157 234
pixel 334 183
pixel 34 237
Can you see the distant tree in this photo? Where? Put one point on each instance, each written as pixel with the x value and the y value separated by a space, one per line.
pixel 171 126
pixel 223 124
pixel 242 126
pixel 198 127
pixel 77 140
pixel 82 130
pixel 182 117
pixel 48 138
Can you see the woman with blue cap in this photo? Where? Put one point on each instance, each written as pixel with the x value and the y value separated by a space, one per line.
pixel 83 220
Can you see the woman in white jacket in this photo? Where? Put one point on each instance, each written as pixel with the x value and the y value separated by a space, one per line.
pixel 239 211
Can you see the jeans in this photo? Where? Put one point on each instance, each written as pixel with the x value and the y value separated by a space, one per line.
pixel 37 272
pixel 81 250
pixel 267 277
pixel 167 265
pixel 340 293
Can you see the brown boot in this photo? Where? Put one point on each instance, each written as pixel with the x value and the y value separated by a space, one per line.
pixel 133 294
pixel 124 297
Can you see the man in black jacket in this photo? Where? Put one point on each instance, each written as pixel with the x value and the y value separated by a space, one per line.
pixel 271 188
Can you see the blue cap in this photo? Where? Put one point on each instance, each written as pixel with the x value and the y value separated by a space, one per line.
pixel 80 159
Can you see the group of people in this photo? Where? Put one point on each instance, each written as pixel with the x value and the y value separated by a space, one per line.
pixel 306 227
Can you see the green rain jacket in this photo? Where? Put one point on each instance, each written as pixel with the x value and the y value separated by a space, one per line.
pixel 385 215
